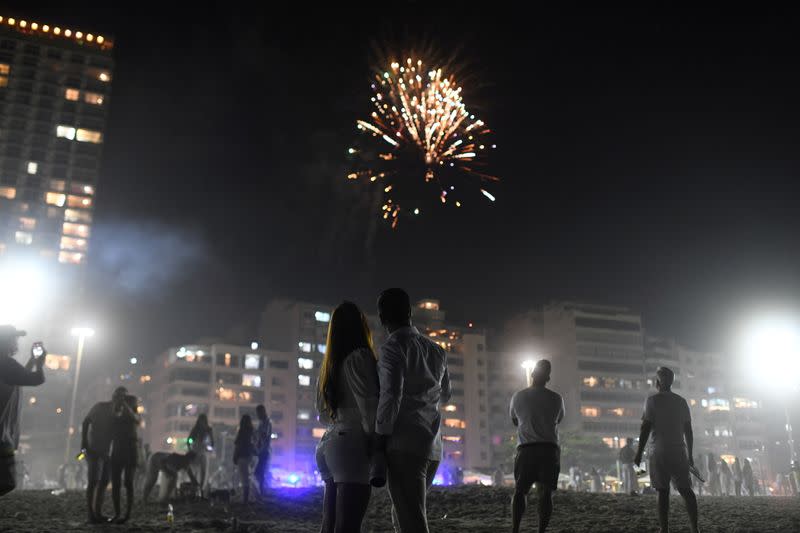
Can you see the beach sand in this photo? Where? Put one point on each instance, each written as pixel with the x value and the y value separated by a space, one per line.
pixel 464 509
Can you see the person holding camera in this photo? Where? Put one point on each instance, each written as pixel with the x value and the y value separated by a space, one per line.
pixel 13 376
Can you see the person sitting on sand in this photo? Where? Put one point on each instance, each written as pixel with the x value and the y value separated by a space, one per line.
pixel 536 411
pixel 169 464
pixel 667 418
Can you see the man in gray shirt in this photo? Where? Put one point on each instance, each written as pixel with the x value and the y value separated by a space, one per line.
pixel 536 411
pixel 667 418
pixel 412 371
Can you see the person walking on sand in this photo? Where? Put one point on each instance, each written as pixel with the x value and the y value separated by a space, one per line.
pixel 748 478
pixel 96 436
pixel 712 468
pixel 630 481
pixel 726 477
pixel 667 418
pixel 347 401
pixel 414 383
pixel 12 376
pixel 244 449
pixel 536 412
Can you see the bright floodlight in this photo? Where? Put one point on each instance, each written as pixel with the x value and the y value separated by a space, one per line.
pixel 22 286
pixel 772 350
pixel 82 332
pixel 134 360
pixel 254 345
pixel 528 364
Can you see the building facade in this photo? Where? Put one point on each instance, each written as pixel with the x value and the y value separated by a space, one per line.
pixel 55 86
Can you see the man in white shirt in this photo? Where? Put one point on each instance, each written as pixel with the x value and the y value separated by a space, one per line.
pixel 536 411
pixel 412 370
pixel 667 418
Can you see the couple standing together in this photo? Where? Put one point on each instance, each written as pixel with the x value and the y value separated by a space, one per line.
pixel 382 413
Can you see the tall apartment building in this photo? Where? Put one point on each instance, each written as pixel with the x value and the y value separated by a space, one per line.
pixel 225 382
pixel 55 85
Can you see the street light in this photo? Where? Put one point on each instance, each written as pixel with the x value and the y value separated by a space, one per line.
pixel 82 333
pixel 528 365
pixel 772 350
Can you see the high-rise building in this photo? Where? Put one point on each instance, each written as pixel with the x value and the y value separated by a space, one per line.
pixel 55 86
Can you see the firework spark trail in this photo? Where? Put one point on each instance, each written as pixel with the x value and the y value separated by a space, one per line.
pixel 419 116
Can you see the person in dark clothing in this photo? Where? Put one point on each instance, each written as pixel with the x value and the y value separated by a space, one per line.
pixel 749 479
pixel 737 477
pixel 12 376
pixel 201 441
pixel 96 434
pixel 244 450
pixel 124 453
pixel 264 448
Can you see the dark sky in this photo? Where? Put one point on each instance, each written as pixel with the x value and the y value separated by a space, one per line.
pixel 648 159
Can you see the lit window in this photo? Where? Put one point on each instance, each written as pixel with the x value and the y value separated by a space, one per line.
pixel 3 81
pixel 9 193
pixel 303 380
pixel 321 348
pixel 450 408
pixel 611 442
pixel 71 243
pixel 93 98
pixel 104 76
pixel 318 433
pixel 226 394
pixel 322 316
pixel 251 380
pixel 455 423
pixel 704 402
pixel 33 167
pixel 56 362
pixel 75 215
pixel 65 132
pixel 88 136
pixel 305 347
pixel 245 396
pixel 78 201
pixel 80 188
pixel 718 404
pixel 591 412
pixel 5 68
pixel 590 381
pixel 744 403
pixel 303 414
pixel 692 402
pixel 56 199
pixel 27 223
pixel 252 361
pixel 620 411
pixel 452 438
pixel 72 94
pixel 145 379
pixel 23 237
pixel 58 185
pixel 712 390
pixel 305 364
pixel 78 230
pixel 73 258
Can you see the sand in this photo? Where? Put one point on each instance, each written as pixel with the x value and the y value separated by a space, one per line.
pixel 463 509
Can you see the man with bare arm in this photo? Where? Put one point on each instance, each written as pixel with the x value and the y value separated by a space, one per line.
pixel 667 418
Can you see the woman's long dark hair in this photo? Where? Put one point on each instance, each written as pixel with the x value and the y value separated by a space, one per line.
pixel 200 429
pixel 347 331
pixel 245 429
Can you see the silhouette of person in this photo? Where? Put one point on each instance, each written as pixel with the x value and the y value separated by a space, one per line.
pixel 244 449
pixel 124 453
pixel 264 448
pixel 749 479
pixel 630 482
pixel 597 481
pixel 201 439
pixel 536 411
pixel 412 370
pixel 667 418
pixel 737 477
pixel 96 436
pixel 13 376
pixel 726 477
pixel 347 401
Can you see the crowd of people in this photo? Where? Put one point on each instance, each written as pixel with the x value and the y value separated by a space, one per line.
pixel 382 412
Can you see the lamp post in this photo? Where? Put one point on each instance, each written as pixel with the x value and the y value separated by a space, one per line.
pixel 82 333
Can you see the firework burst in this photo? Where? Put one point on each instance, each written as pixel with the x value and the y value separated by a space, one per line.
pixel 422 142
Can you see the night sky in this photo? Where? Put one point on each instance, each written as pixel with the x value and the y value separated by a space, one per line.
pixel 648 159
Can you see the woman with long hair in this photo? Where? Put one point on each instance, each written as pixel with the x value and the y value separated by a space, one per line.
pixel 244 449
pixel 347 399
pixel 201 440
